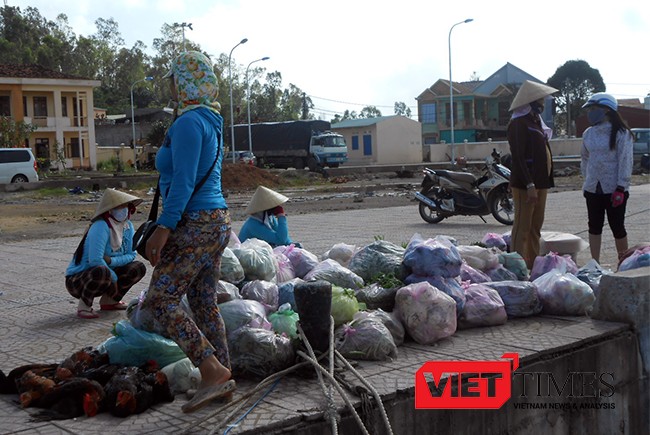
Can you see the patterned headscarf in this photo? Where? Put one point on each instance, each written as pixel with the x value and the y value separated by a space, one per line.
pixel 196 82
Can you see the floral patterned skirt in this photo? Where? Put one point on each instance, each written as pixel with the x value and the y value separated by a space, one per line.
pixel 189 265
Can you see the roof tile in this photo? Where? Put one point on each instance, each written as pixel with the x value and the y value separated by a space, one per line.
pixel 34 71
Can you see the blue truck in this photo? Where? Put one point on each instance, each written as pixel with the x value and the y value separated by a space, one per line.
pixel 296 144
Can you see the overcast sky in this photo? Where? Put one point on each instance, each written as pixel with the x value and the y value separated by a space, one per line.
pixel 354 53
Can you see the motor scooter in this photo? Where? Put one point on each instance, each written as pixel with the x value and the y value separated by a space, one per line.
pixel 448 193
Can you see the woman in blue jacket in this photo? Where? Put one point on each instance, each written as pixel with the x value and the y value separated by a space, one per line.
pixel 104 263
pixel 193 228
pixel 267 220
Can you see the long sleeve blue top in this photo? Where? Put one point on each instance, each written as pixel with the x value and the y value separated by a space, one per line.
pixel 185 157
pixel 98 244
pixel 275 235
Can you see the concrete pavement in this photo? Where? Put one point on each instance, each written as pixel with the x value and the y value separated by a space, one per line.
pixel 37 322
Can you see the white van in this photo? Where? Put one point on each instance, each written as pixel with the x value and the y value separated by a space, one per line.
pixel 17 165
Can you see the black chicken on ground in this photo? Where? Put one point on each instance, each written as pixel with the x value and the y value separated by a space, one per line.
pixel 71 398
pixel 84 359
pixel 8 382
pixel 122 392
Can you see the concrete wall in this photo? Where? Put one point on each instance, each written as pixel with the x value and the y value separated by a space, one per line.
pixel 480 150
pixel 618 355
pixel 399 140
pixel 115 134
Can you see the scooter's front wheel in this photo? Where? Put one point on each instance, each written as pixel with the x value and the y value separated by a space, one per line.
pixel 503 206
pixel 430 215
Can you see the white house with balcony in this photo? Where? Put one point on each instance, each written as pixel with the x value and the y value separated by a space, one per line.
pixel 59 105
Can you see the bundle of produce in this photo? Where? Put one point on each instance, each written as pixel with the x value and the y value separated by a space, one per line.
pixel 474 276
pixel 302 260
pixel 591 274
pixel 432 257
pixel 563 294
pixel 494 240
pixel 227 292
pixel 344 305
pixel 231 269
pixel 365 339
pixel 375 296
pixel 389 320
pixel 450 286
pixel 257 260
pixel 478 257
pixel 284 271
pixel 519 297
pixel 500 273
pixel 376 258
pixel 428 314
pixel 342 253
pixel 241 312
pixel 552 261
pixel 286 292
pixel 284 321
pixel 515 263
pixel 258 353
pixel 264 292
pixel 332 272
pixel 484 307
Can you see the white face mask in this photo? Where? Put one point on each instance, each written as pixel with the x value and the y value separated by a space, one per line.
pixel 120 214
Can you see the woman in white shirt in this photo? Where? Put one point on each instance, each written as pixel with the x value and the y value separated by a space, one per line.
pixel 607 157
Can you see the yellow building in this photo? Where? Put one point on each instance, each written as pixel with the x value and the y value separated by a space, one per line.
pixel 59 106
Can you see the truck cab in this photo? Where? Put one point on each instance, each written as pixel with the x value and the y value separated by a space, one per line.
pixel 327 149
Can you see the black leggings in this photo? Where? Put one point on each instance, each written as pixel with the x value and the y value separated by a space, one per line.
pixel 599 204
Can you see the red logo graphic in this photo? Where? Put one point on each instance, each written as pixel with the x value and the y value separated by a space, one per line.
pixel 465 384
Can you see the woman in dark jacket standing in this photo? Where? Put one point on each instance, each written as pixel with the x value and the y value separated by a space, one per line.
pixel 532 167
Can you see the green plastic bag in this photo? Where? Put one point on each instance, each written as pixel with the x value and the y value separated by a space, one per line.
pixel 134 347
pixel 344 305
pixel 284 320
pixel 515 263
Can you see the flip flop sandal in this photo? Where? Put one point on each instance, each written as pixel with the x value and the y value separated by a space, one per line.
pixel 87 314
pixel 207 395
pixel 117 306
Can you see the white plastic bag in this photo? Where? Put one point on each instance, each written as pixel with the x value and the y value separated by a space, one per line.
pixel 331 271
pixel 564 294
pixel 428 315
pixel 256 258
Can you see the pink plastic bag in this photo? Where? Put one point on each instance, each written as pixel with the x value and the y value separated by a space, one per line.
pixel 552 261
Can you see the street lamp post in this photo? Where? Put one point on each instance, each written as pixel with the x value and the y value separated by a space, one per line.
pixel 232 115
pixel 451 92
pixel 135 156
pixel 248 100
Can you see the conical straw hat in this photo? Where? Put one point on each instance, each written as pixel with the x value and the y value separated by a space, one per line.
pixel 529 92
pixel 114 198
pixel 264 199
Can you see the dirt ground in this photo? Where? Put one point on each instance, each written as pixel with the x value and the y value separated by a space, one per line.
pixel 58 213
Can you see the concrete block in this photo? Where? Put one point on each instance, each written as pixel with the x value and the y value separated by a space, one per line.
pixel 625 297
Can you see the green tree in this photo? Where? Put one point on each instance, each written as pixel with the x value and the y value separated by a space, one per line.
pixel 294 104
pixel 402 109
pixel 13 134
pixel 369 112
pixel 576 81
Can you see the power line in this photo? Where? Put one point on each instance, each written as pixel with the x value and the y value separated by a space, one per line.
pixel 356 104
